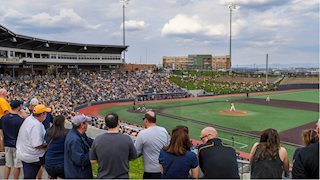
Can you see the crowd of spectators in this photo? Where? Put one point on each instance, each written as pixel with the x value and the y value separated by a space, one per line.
pixel 223 84
pixel 62 94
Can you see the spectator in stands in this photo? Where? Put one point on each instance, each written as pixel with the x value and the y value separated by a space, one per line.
pixel 76 150
pixel 149 143
pixel 47 122
pixel 49 119
pixel 309 136
pixel 177 159
pixel 216 160
pixel 113 151
pixel 4 109
pixel 4 105
pixel 10 125
pixel 33 102
pixel 30 143
pixel 55 137
pixel 306 160
pixel 268 159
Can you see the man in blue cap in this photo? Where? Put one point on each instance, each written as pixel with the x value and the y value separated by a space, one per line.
pixel 76 150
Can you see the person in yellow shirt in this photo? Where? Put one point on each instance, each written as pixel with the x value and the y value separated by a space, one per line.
pixel 4 109
pixel 4 105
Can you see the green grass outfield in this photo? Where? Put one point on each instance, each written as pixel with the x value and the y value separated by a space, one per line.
pixel 259 118
pixel 302 95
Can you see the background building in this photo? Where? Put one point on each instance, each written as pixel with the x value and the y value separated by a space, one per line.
pixel 140 67
pixel 197 61
pixel 20 54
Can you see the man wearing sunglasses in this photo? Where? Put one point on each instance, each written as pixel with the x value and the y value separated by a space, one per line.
pixel 149 143
pixel 216 160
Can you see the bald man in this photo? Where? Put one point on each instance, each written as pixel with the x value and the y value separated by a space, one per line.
pixel 216 160
pixel 149 143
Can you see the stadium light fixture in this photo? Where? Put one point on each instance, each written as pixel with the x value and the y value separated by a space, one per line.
pixel 231 7
pixel 13 39
pixel 124 4
pixel 47 45
pixel 85 48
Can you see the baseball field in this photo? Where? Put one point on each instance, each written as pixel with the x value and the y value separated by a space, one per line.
pixel 288 111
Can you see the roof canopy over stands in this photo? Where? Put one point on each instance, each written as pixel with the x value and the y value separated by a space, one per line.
pixel 11 40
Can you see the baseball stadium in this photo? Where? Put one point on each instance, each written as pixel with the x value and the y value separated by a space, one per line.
pixel 91 79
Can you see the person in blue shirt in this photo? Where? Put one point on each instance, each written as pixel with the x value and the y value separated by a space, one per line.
pixel 76 150
pixel 306 159
pixel 55 138
pixel 47 121
pixel 10 125
pixel 177 159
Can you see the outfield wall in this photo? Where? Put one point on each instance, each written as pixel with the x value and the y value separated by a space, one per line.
pixel 101 102
pixel 297 86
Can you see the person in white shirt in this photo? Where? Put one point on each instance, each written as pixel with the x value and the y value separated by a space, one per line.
pixel 30 143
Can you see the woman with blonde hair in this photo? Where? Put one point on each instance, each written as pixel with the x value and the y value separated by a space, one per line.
pixel 309 136
pixel 268 159
pixel 177 160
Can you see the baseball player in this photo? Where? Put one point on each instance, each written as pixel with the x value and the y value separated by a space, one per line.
pixel 232 108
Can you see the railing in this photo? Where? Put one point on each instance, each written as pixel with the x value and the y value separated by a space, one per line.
pixel 244 169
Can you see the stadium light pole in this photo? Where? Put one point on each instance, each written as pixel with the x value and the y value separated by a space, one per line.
pixel 231 7
pixel 124 3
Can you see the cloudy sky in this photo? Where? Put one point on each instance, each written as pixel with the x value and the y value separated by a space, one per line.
pixel 288 30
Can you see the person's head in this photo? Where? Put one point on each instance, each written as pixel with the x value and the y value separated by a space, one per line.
pixel 149 118
pixel 57 129
pixel 180 141
pixel 3 92
pixel 269 145
pixel 112 120
pixel 318 127
pixel 58 121
pixel 33 103
pixel 16 105
pixel 310 136
pixel 270 137
pixel 208 133
pixel 81 122
pixel 40 112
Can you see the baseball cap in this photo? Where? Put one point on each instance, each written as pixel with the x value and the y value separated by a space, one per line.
pixel 38 109
pixel 34 102
pixel 79 119
pixel 15 103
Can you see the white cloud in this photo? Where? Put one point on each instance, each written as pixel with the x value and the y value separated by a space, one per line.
pixel 275 22
pixel 298 5
pixel 183 24
pixel 133 25
pixel 272 19
pixel 65 16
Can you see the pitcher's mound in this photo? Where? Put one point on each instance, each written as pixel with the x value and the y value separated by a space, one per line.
pixel 233 113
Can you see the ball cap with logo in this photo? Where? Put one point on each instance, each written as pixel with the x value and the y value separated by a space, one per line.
pixel 79 119
pixel 41 108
